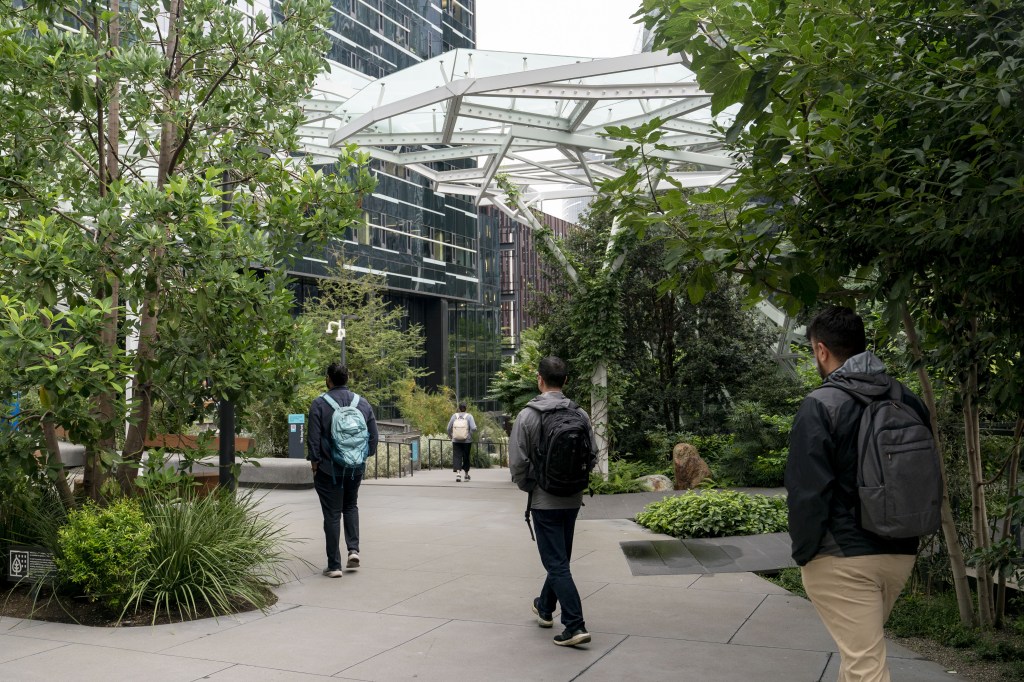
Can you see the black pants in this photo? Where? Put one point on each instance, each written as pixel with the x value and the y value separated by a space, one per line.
pixel 554 529
pixel 461 454
pixel 339 499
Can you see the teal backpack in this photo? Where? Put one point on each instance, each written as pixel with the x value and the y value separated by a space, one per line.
pixel 350 440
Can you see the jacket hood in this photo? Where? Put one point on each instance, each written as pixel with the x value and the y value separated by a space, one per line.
pixel 864 374
pixel 552 400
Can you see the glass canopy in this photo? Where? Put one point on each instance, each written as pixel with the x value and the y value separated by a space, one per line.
pixel 539 119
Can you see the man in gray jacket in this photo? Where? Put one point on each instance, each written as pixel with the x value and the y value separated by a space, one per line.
pixel 851 575
pixel 554 517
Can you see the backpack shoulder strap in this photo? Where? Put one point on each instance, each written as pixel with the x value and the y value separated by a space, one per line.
pixel 331 401
pixel 355 400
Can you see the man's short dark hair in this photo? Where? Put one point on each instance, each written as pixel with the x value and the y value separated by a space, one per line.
pixel 553 371
pixel 462 407
pixel 841 330
pixel 337 373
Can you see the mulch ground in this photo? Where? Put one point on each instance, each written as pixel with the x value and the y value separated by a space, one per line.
pixel 19 602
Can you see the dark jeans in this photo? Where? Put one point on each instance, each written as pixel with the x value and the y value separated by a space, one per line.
pixel 339 499
pixel 460 455
pixel 554 529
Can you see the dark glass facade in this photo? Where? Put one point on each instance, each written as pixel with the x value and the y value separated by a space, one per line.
pixel 439 260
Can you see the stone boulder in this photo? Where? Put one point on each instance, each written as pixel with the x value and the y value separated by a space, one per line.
pixel 690 468
pixel 655 482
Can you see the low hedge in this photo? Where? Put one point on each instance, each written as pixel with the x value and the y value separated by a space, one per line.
pixel 715 514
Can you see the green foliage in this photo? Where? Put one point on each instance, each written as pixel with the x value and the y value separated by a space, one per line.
pixel 622 478
pixel 515 384
pixel 932 616
pixel 711 447
pixel 757 456
pixel 102 551
pixel 789 579
pixel 156 238
pixel 208 555
pixel 31 515
pixel 267 420
pixel 715 513
pixel 380 348
pixel 424 411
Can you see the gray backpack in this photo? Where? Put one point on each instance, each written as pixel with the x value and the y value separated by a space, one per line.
pixel 899 480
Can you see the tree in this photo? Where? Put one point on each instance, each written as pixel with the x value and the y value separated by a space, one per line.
pixel 380 348
pixel 881 146
pixel 681 365
pixel 152 195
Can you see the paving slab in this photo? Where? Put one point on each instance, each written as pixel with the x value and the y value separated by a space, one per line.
pixel 84 663
pixel 483 651
pixel 309 639
pixel 444 593
pixel 654 658
pixel 902 669
pixel 675 613
pixel 14 647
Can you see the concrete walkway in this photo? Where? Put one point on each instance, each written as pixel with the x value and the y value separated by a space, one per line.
pixel 444 593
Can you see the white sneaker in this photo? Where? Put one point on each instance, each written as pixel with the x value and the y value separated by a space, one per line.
pixel 336 573
pixel 353 560
pixel 458 478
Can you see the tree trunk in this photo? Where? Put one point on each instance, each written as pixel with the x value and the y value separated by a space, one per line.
pixel 979 512
pixel 149 309
pixel 1011 487
pixel 599 414
pixel 54 460
pixel 957 565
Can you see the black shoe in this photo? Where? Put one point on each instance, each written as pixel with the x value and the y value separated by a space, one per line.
pixel 572 637
pixel 467 475
pixel 544 619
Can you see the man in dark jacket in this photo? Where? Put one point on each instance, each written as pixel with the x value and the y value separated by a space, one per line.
pixel 852 576
pixel 336 486
pixel 553 517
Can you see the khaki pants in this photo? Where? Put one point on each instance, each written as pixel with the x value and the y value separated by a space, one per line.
pixel 854 596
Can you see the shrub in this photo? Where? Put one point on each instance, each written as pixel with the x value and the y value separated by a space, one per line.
pixel 715 513
pixel 100 550
pixel 212 554
pixel 758 436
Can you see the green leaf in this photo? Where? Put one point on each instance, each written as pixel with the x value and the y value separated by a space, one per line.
pixel 804 288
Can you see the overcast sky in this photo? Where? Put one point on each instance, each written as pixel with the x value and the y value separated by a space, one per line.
pixel 580 28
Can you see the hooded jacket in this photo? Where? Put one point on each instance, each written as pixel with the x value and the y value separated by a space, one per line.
pixel 526 436
pixel 821 471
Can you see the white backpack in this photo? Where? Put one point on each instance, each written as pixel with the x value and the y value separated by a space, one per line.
pixel 460 427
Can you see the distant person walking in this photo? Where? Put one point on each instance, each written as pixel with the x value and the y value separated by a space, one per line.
pixel 853 575
pixel 342 433
pixel 551 453
pixel 461 427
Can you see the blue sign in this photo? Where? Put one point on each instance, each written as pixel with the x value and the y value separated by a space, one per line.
pixel 415 450
pixel 296 419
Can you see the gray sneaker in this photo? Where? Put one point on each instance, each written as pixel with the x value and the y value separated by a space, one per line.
pixel 353 560
pixel 336 573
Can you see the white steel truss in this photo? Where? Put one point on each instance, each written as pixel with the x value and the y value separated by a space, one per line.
pixel 540 119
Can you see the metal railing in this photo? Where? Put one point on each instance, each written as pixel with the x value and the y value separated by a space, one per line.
pixel 402 458
pixel 433 458
pixel 403 462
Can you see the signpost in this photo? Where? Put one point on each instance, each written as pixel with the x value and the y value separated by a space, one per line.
pixel 297 436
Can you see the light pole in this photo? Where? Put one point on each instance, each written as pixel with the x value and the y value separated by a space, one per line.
pixel 339 325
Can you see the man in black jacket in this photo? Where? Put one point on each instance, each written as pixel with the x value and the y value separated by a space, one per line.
pixel 337 487
pixel 852 576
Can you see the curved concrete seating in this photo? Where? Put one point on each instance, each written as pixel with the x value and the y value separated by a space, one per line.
pixel 276 472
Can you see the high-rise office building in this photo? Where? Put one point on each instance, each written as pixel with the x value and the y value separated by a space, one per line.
pixel 439 260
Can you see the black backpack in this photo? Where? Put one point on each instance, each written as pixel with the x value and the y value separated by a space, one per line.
pixel 563 457
pixel 899 480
